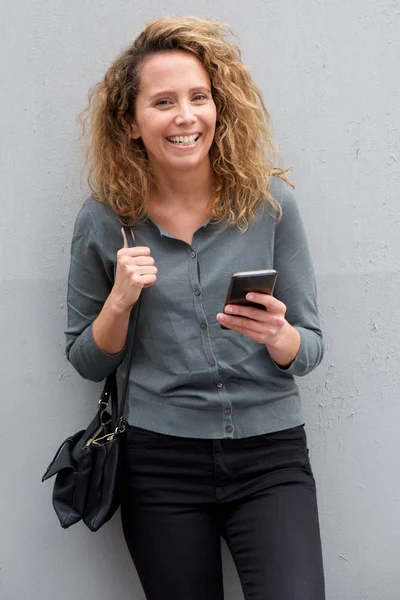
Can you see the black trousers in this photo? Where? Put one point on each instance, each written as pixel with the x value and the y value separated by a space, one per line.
pixel 182 495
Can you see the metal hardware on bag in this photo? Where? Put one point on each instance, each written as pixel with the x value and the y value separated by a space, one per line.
pixel 121 426
pixel 103 424
pixel 93 438
pixel 108 437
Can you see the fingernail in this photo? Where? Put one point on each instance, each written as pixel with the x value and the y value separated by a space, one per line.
pixel 228 309
pixel 250 297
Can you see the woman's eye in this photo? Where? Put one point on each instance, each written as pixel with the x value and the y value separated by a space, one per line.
pixel 163 102
pixel 199 98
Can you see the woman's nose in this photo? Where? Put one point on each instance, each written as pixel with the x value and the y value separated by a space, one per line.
pixel 185 115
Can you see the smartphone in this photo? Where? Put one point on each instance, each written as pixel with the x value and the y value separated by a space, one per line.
pixel 244 282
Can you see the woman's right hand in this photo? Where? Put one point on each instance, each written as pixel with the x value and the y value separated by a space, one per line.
pixel 135 271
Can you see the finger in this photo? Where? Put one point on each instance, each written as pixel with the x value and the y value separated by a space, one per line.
pixel 242 323
pixel 268 301
pixel 142 261
pixel 142 271
pixel 135 251
pixel 258 337
pixel 148 280
pixel 249 312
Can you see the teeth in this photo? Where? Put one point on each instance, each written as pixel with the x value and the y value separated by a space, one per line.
pixel 185 140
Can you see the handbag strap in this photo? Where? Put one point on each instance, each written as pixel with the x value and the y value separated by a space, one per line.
pixel 110 390
pixel 131 337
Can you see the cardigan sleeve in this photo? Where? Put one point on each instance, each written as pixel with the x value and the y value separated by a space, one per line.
pixel 91 277
pixel 295 285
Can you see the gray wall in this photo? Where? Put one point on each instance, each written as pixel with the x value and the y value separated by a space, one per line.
pixel 329 71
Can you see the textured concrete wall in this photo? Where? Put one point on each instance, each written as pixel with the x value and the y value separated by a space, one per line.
pixel 329 71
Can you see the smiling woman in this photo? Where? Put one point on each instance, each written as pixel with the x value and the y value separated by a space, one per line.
pixel 180 148
pixel 243 152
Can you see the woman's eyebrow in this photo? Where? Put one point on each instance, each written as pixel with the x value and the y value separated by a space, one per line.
pixel 199 88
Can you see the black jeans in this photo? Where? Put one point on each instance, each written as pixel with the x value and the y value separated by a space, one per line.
pixel 181 495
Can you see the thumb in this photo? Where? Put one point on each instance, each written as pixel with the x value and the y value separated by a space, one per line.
pixel 126 244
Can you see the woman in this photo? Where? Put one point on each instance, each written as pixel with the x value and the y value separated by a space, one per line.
pixel 181 150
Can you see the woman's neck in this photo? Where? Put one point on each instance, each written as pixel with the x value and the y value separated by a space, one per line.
pixel 183 189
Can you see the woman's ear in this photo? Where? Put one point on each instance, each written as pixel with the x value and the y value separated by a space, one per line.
pixel 134 131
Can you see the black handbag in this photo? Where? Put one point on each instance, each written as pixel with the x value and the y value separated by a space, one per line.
pixel 88 464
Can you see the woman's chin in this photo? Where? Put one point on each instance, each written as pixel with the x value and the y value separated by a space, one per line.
pixel 183 163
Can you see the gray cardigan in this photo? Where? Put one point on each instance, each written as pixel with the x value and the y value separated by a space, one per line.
pixel 188 376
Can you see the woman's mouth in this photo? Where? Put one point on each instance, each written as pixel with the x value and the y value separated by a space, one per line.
pixel 184 140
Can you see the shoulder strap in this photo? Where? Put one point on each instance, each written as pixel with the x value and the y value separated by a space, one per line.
pixel 131 337
pixel 110 391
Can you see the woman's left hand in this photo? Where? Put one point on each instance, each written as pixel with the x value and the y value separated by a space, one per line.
pixel 262 326
pixel 267 327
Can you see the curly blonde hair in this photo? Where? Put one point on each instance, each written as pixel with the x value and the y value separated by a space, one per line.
pixel 243 153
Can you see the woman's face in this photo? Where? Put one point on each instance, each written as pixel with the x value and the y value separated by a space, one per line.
pixel 175 112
